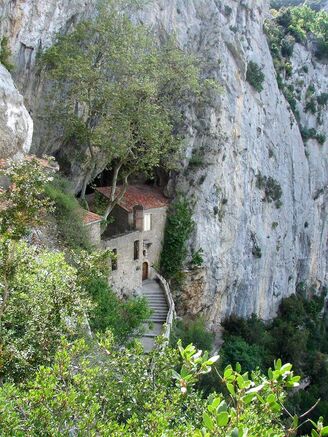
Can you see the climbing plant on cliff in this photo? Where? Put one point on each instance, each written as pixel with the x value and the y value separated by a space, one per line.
pixel 120 90
pixel 178 229
pixel 5 53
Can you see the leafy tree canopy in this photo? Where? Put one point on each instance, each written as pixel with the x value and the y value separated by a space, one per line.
pixel 122 93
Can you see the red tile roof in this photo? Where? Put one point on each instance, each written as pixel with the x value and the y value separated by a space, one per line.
pixel 90 217
pixel 148 197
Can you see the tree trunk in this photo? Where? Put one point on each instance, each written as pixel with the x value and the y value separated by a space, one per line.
pixel 115 200
pixel 88 175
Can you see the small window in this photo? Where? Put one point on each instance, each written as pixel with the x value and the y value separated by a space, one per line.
pixel 114 260
pixel 136 250
pixel 147 222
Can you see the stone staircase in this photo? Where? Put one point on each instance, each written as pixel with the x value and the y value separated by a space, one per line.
pixel 157 302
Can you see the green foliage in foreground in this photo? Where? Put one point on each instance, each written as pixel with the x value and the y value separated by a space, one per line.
pixel 123 392
pixel 124 318
pixel 299 335
pixel 179 225
pixel 68 214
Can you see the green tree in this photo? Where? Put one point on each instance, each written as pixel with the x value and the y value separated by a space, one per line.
pixel 121 91
pixel 43 303
pixel 125 318
pixel 23 203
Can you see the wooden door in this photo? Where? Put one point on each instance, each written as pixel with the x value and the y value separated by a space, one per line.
pixel 144 271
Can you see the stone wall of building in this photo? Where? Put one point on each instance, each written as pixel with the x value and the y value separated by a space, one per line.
pixel 153 239
pixel 94 232
pixel 128 275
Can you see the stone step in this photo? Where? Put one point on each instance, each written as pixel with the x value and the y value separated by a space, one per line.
pixel 148 343
pixel 157 304
pixel 155 328
pixel 148 295
pixel 157 301
pixel 151 334
pixel 159 311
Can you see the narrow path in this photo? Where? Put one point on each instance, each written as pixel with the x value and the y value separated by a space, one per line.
pixel 155 296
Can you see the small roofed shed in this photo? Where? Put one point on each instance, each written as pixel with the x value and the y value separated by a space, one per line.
pixel 93 221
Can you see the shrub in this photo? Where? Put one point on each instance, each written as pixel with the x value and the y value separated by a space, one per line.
pixel 256 251
pixel 192 331
pixel 227 10
pixel 5 54
pixel 197 259
pixel 287 47
pixel 310 91
pixel 68 214
pixel 322 99
pixel 44 303
pixel 237 350
pixel 125 318
pixel 178 229
pixel 298 334
pixel 271 187
pixel 312 134
pixel 322 49
pixel 254 76
pixel 196 160
pixel 311 106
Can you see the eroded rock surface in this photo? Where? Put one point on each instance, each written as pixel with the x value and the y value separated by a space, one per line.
pixel 255 252
pixel 16 125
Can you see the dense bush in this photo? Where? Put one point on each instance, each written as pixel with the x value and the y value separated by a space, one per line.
pixel 127 393
pixel 179 226
pixel 298 334
pixel 192 331
pixel 255 76
pixel 125 318
pixel 68 214
pixel 322 99
pixel 43 302
pixel 5 54
pixel 311 133
pixel 272 189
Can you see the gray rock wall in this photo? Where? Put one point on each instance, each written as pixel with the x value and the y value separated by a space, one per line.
pixel 237 135
pixel 16 125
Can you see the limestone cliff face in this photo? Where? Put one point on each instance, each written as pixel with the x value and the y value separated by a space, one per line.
pixel 32 26
pixel 16 125
pixel 254 252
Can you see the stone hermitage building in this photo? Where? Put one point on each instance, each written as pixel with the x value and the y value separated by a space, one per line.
pixel 135 234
